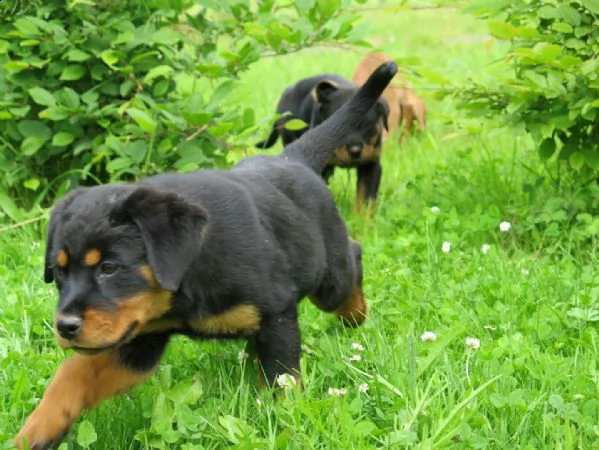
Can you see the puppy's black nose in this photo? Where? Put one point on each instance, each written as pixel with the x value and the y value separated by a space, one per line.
pixel 354 149
pixel 69 326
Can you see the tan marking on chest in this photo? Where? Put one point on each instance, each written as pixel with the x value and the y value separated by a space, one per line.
pixel 106 328
pixel 241 319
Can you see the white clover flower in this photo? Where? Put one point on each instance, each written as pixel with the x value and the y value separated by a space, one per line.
pixel 446 247
pixel 357 346
pixel 505 226
pixel 242 355
pixel 258 402
pixel 286 380
pixel 525 272
pixel 473 343
pixel 355 358
pixel 485 249
pixel 435 209
pixel 363 388
pixel 428 336
pixel 335 392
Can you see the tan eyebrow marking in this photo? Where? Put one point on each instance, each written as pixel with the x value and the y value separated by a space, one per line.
pixel 62 259
pixel 92 257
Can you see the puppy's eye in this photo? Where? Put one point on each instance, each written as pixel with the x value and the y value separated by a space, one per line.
pixel 107 268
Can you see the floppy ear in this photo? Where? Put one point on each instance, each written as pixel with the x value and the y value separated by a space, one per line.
pixel 171 229
pixel 53 232
pixel 51 236
pixel 323 90
pixel 382 109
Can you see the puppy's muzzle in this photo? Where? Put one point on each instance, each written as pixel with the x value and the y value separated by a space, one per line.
pixel 354 151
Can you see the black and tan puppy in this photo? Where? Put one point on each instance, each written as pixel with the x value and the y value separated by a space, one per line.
pixel 315 99
pixel 211 254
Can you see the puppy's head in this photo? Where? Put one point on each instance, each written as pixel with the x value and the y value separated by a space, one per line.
pixel 362 144
pixel 116 254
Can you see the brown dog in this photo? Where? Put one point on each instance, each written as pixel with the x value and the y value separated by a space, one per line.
pixel 404 105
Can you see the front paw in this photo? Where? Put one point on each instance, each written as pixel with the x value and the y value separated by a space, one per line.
pixel 44 429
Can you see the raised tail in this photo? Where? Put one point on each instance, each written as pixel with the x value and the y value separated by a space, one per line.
pixel 316 146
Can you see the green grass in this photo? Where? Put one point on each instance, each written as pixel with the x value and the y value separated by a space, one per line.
pixel 531 300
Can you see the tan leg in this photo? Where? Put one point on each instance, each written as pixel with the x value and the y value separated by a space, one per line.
pixel 360 197
pixel 81 382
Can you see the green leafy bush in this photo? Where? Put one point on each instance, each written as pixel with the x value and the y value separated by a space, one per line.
pixel 96 90
pixel 548 82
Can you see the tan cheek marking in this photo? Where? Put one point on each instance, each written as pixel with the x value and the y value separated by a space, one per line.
pixel 372 151
pixel 62 259
pixel 239 319
pixel 92 257
pixel 103 328
pixel 339 158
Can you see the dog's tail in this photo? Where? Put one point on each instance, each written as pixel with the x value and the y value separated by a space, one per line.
pixel 317 145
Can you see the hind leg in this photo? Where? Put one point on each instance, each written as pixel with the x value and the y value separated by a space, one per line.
pixel 277 345
pixel 369 181
pixel 354 310
pixel 409 118
pixel 341 288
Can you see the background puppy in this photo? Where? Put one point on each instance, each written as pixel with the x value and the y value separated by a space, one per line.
pixel 315 99
pixel 218 254
pixel 404 105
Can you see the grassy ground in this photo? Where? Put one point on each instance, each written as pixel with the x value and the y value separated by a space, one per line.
pixel 531 300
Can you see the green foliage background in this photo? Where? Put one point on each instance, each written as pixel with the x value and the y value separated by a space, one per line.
pixel 532 297
pixel 94 91
pixel 548 83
